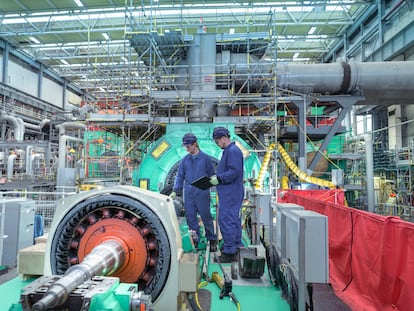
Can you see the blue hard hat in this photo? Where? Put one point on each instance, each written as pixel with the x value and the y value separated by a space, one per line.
pixel 220 132
pixel 189 139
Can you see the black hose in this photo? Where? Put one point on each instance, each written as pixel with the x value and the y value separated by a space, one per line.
pixel 193 305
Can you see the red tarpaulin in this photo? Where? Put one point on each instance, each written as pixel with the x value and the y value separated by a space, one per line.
pixel 371 257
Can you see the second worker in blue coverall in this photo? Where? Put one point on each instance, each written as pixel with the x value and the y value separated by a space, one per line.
pixel 194 165
pixel 230 189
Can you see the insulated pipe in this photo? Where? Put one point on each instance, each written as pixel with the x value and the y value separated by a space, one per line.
pixel 10 166
pixel 18 131
pixel 22 128
pixel 37 127
pixel 62 148
pixel 63 138
pixel 104 259
pixel 369 164
pixel 75 125
pixel 378 82
pixel 28 163
pixel 33 158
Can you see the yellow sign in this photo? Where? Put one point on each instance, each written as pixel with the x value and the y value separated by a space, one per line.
pixel 160 149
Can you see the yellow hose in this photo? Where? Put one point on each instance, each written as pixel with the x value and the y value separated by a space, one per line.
pixel 264 166
pixel 301 174
pixel 284 183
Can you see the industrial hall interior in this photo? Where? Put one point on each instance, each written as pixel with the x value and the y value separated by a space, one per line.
pixel 206 155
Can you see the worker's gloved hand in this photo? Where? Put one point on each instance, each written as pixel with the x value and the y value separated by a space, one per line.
pixel 173 195
pixel 213 180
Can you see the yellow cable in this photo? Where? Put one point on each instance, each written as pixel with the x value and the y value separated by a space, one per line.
pixel 264 166
pixel 200 285
pixel 301 174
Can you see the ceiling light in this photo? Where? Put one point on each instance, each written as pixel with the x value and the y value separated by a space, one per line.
pixel 106 36
pixel 64 62
pixel 295 55
pixel 33 39
pixel 312 30
pixel 78 3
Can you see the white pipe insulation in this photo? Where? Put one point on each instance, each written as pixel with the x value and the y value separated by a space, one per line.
pixel 62 148
pixel 10 166
pixel 18 126
pixel 64 138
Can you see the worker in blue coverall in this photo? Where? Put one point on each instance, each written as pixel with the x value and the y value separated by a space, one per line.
pixel 194 165
pixel 230 189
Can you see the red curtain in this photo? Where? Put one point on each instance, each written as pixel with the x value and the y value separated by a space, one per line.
pixel 371 257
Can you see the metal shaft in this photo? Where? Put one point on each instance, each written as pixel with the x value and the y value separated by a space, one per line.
pixel 104 259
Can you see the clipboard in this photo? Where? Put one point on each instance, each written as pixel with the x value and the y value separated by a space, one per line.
pixel 202 183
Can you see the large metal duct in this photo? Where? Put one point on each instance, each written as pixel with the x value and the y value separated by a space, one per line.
pixel 379 82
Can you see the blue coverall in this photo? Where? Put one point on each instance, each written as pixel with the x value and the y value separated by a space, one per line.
pixel 230 197
pixel 196 200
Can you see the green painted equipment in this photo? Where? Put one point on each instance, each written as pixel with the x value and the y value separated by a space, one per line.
pixel 158 168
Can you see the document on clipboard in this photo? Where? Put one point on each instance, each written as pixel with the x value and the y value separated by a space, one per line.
pixel 202 183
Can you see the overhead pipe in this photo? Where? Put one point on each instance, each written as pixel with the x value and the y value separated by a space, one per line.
pixel 28 163
pixel 37 127
pixel 17 126
pixel 69 125
pixel 379 82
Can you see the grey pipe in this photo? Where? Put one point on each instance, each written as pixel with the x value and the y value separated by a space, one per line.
pixel 369 158
pixel 62 148
pixel 37 127
pixel 28 163
pixel 379 82
pixel 10 166
pixel 22 128
pixel 73 125
pixel 17 125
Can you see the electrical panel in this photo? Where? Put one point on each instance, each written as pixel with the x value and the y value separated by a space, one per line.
pixel 279 225
pixel 16 228
pixel 307 250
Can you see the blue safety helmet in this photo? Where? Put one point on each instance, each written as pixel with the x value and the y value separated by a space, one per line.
pixel 220 132
pixel 189 139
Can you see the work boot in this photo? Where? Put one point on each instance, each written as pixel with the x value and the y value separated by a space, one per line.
pixel 226 258
pixel 213 246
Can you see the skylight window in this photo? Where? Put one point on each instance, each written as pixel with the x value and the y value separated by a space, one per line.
pixel 33 39
pixel 78 3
